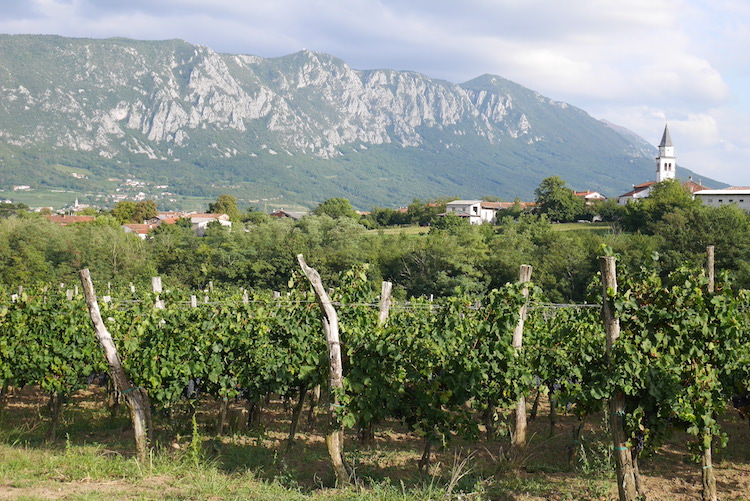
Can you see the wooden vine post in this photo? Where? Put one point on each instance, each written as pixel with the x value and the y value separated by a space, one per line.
pixel 335 432
pixel 136 398
pixel 708 476
pixel 626 485
pixel 519 437
pixel 385 303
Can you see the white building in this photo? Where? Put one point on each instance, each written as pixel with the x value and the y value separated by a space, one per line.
pixel 590 197
pixel 476 211
pixel 200 222
pixel 739 195
pixel 666 162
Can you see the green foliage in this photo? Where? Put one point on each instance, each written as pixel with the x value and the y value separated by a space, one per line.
pixel 557 201
pixel 424 213
pixel 10 209
pixel 681 353
pixel 124 211
pixel 664 197
pixel 144 210
pixel 336 208
pixel 46 340
pixel 226 204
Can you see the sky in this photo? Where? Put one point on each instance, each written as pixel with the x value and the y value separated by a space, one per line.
pixel 636 63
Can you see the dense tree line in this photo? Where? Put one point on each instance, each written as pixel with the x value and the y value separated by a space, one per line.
pixel 259 252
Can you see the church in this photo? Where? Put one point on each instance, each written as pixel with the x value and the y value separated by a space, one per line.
pixel 666 165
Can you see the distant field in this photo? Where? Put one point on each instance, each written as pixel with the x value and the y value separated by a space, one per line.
pixel 54 199
pixel 596 227
pixel 406 230
pixel 418 230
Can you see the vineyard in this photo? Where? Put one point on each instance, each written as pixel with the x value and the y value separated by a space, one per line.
pixel 673 357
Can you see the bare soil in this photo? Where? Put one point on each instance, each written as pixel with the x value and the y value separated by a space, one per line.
pixel 542 473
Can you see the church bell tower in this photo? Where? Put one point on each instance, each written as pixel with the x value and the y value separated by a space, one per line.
pixel 666 163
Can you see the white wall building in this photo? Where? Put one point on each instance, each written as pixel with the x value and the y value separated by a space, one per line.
pixel 739 195
pixel 200 222
pixel 476 211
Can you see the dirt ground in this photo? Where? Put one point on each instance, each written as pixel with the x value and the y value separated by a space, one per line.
pixel 541 474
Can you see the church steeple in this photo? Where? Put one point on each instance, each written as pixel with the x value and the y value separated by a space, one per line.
pixel 666 162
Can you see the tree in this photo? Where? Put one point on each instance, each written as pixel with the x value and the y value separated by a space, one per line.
pixel 513 211
pixel 7 210
pixel 665 197
pixel 144 210
pixel 226 204
pixel 558 201
pixel 255 216
pixel 123 211
pixel 423 213
pixel 450 223
pixel 336 208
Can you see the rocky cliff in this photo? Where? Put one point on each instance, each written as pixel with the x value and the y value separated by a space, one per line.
pixel 303 127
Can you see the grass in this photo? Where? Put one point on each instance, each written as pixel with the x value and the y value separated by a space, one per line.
pixel 593 227
pixel 405 230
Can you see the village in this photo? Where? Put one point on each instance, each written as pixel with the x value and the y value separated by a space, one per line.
pixel 474 211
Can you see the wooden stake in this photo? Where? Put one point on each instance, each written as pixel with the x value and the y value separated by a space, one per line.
pixel 710 268
pixel 335 436
pixel 519 437
pixel 156 287
pixel 708 478
pixel 623 460
pixel 385 303
pixel 136 398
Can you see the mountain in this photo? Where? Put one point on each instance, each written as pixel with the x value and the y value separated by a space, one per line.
pixel 80 114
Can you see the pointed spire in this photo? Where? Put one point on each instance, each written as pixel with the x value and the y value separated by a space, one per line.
pixel 666 139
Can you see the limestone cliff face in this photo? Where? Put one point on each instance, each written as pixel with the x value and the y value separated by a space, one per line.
pixel 311 102
pixel 121 102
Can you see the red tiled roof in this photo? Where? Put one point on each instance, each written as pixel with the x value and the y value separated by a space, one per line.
pixel 692 186
pixel 66 220
pixel 637 189
pixel 586 193
pixel 506 205
pixel 644 185
pixel 141 229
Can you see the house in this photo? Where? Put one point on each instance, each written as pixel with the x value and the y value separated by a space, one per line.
pixel 739 195
pixel 694 187
pixel 638 192
pixel 296 215
pixel 476 211
pixel 470 209
pixel 590 196
pixel 139 229
pixel 200 222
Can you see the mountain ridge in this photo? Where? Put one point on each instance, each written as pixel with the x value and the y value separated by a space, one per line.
pixel 298 128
